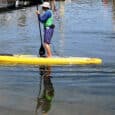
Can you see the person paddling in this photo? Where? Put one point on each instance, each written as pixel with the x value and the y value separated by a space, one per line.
pixel 47 19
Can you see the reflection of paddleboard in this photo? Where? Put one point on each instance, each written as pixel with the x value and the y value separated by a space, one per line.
pixel 10 59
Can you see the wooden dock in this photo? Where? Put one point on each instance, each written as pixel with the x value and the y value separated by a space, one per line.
pixel 9 4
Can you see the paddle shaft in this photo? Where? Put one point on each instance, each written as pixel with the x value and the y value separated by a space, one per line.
pixel 41 50
pixel 39 27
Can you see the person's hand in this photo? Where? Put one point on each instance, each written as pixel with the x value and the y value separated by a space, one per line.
pixel 37 12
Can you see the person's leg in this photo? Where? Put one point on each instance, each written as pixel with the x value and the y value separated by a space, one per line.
pixel 48 33
pixel 48 49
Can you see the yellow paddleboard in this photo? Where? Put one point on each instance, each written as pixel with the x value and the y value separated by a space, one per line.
pixel 34 60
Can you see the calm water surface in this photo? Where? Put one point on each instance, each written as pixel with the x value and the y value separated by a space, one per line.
pixel 83 28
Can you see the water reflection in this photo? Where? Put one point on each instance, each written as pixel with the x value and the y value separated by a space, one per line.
pixel 59 19
pixel 46 95
pixel 113 14
pixel 4 19
pixel 105 2
pixel 53 5
pixel 22 19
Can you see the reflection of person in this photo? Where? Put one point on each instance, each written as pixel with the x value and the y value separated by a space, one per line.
pixel 47 19
pixel 44 101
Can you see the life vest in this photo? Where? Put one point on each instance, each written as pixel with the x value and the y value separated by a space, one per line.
pixel 49 21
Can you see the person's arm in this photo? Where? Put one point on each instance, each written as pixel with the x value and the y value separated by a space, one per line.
pixel 44 17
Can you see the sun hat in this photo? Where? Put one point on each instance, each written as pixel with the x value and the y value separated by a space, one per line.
pixel 46 5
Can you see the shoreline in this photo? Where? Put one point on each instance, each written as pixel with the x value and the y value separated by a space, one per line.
pixel 18 5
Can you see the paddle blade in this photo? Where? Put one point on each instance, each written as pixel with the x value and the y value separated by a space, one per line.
pixel 42 51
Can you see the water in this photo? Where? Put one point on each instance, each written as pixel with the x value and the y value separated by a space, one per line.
pixel 83 28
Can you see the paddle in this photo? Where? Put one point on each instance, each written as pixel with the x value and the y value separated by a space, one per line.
pixel 42 49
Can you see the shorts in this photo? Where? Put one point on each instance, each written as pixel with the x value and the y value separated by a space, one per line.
pixel 48 33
